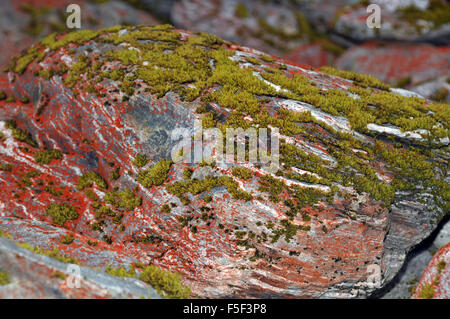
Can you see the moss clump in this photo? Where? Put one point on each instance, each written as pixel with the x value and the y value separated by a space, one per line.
pixel 427 292
pixel 6 167
pixel 242 172
pixel 362 80
pixel 4 278
pixel 25 99
pixel 115 174
pixel 441 265
pixel 91 195
pixel 127 56
pixel 2 95
pixel 19 134
pixel 61 213
pixel 168 284
pixel 196 186
pixel 89 178
pixel 207 198
pixel 76 70
pixel 67 239
pixel 46 156
pixel 121 272
pixel 272 186
pixel 140 160
pixel 125 199
pixel 166 208
pixel 59 275
pixel 20 64
pixel 155 175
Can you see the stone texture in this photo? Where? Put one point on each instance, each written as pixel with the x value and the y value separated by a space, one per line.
pixel 19 29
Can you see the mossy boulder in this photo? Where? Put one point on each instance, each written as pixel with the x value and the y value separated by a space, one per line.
pixel 362 175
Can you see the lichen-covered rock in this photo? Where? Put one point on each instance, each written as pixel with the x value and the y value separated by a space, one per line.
pixel 422 68
pixel 275 28
pixel 409 64
pixel 435 281
pixel 362 176
pixel 413 20
pixel 22 22
pixel 312 54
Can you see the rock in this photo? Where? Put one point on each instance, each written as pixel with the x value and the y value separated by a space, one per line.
pixel 415 20
pixel 160 9
pixel 407 279
pixel 25 21
pixel 312 54
pixel 435 281
pixel 413 66
pixel 266 26
pixel 86 150
pixel 35 276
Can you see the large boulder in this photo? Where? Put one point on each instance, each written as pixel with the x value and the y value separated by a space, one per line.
pixel 22 22
pixel 422 68
pixel 269 26
pixel 87 122
pixel 411 20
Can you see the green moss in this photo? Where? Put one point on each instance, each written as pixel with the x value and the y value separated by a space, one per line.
pixel 46 156
pixel 77 37
pixel 241 11
pixel 167 284
pixel 4 278
pixel 427 292
pixel 207 198
pixel 242 172
pixel 126 56
pixel 19 134
pixel 6 167
pixel 362 80
pixel 140 160
pixel 25 99
pixel 121 272
pixel 54 253
pixel 196 187
pixel 441 265
pixel 67 239
pixel 61 213
pixel 91 195
pixel 272 186
pixel 19 64
pixel 155 175
pixel 115 174
pixel 76 70
pixel 2 95
pixel 165 208
pixel 125 199
pixel 187 173
pixel 89 178
pixel 59 275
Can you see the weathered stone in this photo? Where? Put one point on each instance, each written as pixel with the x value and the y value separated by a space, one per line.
pixel 332 215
